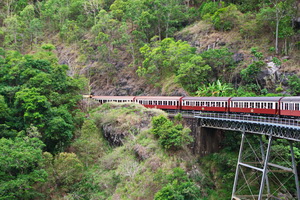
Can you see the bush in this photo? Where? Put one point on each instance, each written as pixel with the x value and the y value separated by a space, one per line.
pixel 179 187
pixel 294 84
pixel 249 74
pixel 170 136
pixel 226 18
pixel 208 9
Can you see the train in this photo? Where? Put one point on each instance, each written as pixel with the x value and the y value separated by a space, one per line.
pixel 267 106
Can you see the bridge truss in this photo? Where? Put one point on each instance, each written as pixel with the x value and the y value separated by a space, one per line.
pixel 260 184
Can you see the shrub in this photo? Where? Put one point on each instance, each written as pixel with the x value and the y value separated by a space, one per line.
pixel 170 136
pixel 208 9
pixel 48 47
pixel 294 84
pixel 250 73
pixel 179 187
pixel 226 18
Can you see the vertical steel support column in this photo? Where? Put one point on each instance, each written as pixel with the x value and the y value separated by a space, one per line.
pixel 238 164
pixel 263 160
pixel 295 170
pixel 265 169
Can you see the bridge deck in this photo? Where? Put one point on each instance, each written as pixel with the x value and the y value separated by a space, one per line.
pixel 278 127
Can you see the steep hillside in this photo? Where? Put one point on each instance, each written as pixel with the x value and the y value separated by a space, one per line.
pixel 54 145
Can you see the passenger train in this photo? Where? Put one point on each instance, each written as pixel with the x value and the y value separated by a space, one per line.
pixel 272 106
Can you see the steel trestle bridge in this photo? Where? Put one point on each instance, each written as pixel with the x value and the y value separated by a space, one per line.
pixel 270 128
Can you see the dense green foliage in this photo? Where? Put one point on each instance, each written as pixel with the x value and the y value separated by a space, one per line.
pixel 294 83
pixel 180 187
pixel 167 57
pixel 19 167
pixel 39 93
pixel 170 136
pixel 39 101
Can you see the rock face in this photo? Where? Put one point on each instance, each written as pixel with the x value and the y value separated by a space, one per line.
pixel 120 121
pixel 270 75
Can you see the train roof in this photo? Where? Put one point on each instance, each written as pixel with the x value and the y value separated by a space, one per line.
pixel 206 98
pixel 289 99
pixel 113 97
pixel 158 98
pixel 275 99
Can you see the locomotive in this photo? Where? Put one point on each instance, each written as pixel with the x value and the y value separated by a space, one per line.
pixel 271 106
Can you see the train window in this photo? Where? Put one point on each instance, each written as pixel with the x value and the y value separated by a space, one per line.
pixel 187 103
pixel 297 106
pixel 160 103
pixel 165 103
pixel 257 105
pixel 264 105
pixel 208 104
pixel 192 103
pixel 240 104
pixel 213 104
pixel 270 105
pixel 251 105
pixel 291 106
pixel 218 104
pixel 150 102
pixel 176 103
pixel 236 105
pixel 197 103
pixel 246 105
pixel 286 106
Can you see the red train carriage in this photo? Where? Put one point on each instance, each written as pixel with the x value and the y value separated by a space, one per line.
pixel 256 105
pixel 290 106
pixel 120 99
pixel 171 103
pixel 216 104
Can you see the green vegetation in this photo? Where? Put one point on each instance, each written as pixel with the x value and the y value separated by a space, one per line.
pixel 167 57
pixel 179 187
pixel 39 93
pixel 49 150
pixel 170 136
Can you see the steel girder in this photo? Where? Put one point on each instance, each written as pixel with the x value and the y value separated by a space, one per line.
pixel 276 130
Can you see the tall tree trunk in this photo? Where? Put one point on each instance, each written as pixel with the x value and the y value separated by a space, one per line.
pixel 277 29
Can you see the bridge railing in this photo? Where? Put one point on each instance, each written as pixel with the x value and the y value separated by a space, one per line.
pixel 239 117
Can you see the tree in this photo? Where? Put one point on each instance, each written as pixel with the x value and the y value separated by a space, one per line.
pixel 33 26
pixel 64 169
pixel 193 73
pixel 163 58
pixel 280 11
pixel 12 31
pixel 40 93
pixel 19 167
pixel 217 89
pixel 93 7
pixel 220 60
